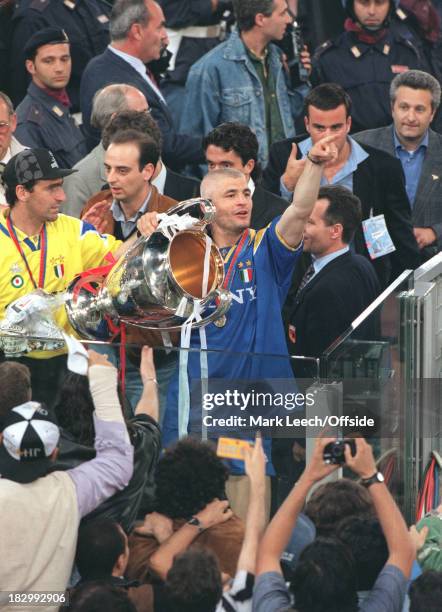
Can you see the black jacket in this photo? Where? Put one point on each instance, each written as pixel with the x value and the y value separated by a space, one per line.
pixel 266 206
pixel 329 303
pixel 137 498
pixel 179 187
pixel 379 183
pixel 178 150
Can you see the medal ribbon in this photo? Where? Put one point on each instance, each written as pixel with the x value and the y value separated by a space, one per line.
pixel 43 253
pixel 227 280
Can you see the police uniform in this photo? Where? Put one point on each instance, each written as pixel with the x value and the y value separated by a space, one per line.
pixel 5 28
pixel 365 71
pixel 43 122
pixel 86 22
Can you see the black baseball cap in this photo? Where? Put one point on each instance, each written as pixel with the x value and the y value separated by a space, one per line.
pixel 46 36
pixel 33 165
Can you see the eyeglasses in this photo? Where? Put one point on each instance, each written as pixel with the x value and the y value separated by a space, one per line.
pixel 4 125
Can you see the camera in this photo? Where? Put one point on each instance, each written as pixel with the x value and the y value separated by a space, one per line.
pixel 334 451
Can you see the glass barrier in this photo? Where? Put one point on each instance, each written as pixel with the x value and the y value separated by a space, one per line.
pixel 368 362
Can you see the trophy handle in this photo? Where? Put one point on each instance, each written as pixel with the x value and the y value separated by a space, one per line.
pixel 224 299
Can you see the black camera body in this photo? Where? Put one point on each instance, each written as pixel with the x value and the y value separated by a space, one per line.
pixel 334 451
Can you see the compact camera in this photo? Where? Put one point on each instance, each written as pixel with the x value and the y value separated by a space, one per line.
pixel 334 451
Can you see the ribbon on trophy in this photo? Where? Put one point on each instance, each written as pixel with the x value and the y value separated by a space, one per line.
pixel 169 225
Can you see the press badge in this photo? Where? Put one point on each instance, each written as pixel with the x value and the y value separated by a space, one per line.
pixel 376 236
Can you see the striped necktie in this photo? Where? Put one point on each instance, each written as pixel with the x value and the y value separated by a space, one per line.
pixel 309 273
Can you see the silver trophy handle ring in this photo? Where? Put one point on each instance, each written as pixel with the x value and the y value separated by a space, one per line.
pixel 225 299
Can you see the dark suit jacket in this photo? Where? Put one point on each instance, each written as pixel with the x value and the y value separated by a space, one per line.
pixel 427 208
pixel 181 187
pixel 266 206
pixel 379 183
pixel 108 68
pixel 329 303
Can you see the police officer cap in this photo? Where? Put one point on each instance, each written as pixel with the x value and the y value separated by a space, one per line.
pixel 47 36
pixel 348 5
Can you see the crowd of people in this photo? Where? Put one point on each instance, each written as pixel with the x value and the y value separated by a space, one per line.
pixel 323 160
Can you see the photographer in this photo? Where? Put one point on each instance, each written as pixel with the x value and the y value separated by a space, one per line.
pixel 325 577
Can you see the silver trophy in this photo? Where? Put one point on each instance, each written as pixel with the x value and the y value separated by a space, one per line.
pixel 159 283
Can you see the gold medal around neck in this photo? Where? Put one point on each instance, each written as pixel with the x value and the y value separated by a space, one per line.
pixel 221 321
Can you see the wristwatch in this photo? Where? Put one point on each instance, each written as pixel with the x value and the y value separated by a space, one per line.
pixel 367 482
pixel 196 523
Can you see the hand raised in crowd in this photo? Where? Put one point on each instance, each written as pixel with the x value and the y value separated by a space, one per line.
pixel 255 463
pixel 306 59
pixel 215 513
pixel 363 463
pixel 147 366
pixel 96 215
pixel 324 151
pixel 293 169
pixel 98 359
pixel 418 537
pixel 316 469
pixel 157 525
pixel 148 223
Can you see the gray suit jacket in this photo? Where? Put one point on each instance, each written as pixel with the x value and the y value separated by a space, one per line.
pixel 427 209
pixel 85 183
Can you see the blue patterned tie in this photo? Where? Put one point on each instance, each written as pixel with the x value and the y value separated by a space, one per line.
pixel 309 273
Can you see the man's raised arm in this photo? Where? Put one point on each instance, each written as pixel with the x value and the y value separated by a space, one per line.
pixel 291 225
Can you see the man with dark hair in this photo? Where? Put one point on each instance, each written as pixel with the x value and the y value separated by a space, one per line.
pixel 234 145
pixel 332 501
pixel 44 249
pixel 193 578
pixel 94 596
pixel 130 162
pixel 194 582
pixel 365 58
pixel 325 578
pixel 138 37
pixel 375 177
pixel 364 537
pixel 102 554
pixel 91 176
pixel 43 117
pixel 426 592
pixel 346 282
pixel 9 145
pixel 244 80
pixel 15 386
pixel 189 477
pixel 415 98
pixel 315 582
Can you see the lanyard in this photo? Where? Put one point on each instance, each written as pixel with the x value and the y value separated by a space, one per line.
pixel 43 253
pixel 227 280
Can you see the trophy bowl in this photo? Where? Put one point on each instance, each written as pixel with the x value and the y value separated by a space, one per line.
pixel 156 285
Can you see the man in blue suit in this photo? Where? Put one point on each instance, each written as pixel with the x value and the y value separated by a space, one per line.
pixel 138 37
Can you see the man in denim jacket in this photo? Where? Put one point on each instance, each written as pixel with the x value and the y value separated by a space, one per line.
pixel 244 79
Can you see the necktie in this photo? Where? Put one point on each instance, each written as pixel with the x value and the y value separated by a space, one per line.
pixel 309 273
